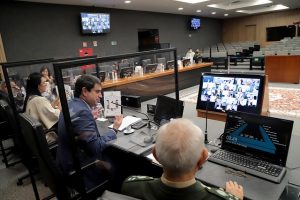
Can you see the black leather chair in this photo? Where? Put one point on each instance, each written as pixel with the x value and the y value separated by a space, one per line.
pixel 60 185
pixel 8 132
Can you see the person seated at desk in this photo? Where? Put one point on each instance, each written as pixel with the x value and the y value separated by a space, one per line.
pixel 190 53
pixel 91 144
pixel 181 151
pixel 39 107
pixel 17 94
pixel 45 72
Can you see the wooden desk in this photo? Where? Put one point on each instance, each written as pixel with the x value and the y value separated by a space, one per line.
pixel 153 84
pixel 283 68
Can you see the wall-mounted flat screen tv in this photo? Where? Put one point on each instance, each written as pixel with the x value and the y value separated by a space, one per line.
pixel 194 23
pixel 95 23
pixel 238 92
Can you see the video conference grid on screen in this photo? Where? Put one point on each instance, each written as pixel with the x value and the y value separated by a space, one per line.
pixel 230 93
pixel 94 23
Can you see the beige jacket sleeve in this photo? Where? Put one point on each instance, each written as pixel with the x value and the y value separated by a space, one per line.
pixel 41 109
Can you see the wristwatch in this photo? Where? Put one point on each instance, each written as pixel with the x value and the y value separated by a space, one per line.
pixel 115 130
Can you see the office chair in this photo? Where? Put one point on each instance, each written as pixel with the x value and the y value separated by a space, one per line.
pixel 257 59
pixel 8 131
pixel 61 186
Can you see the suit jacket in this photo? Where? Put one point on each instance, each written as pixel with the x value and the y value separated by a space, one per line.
pixel 89 141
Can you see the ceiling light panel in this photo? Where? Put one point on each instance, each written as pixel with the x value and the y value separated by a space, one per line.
pixel 266 9
pixel 231 5
pixel 192 1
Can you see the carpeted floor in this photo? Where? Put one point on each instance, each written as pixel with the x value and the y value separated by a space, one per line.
pixel 282 101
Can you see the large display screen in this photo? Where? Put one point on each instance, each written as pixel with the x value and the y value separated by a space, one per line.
pixel 237 92
pixel 95 23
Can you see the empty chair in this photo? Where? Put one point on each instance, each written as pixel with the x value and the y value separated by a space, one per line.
pixel 219 58
pixel 257 59
pixel 282 53
pixel 295 52
pixel 269 52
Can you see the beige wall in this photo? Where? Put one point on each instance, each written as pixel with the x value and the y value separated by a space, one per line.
pixel 241 29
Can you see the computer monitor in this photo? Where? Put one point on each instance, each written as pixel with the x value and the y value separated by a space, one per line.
pixel 186 62
pixel 161 61
pixel 259 136
pixel 167 108
pixel 170 64
pixel 238 92
pixel 126 72
pixel 123 65
pixel 145 62
pixel 102 75
pixel 150 68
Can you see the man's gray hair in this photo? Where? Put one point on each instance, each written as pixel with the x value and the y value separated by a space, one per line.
pixel 179 145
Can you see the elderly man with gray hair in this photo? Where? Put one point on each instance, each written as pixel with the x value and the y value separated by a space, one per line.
pixel 181 151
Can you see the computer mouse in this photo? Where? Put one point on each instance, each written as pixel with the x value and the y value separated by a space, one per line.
pixel 148 139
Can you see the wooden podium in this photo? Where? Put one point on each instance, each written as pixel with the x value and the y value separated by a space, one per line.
pixel 222 116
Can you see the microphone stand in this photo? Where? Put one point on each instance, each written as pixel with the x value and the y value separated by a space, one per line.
pixel 205 132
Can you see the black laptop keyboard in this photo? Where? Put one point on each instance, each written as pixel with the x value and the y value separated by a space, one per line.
pixel 249 165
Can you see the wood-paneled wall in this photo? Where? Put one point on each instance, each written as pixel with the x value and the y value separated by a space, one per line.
pixel 235 30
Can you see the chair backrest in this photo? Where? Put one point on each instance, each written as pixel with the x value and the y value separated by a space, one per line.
pixel 282 52
pixel 258 54
pixel 218 54
pixel 8 116
pixel 34 137
pixel 295 52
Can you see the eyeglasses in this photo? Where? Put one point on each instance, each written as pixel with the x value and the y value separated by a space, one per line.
pixel 236 173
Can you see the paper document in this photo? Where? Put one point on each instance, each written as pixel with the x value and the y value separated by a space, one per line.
pixel 127 121
pixel 150 156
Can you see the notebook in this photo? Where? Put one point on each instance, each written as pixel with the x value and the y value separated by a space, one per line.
pixel 259 144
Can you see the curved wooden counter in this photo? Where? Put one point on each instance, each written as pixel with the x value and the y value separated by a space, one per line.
pixel 127 80
pixel 153 84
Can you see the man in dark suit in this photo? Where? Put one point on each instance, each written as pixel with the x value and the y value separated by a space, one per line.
pixel 88 139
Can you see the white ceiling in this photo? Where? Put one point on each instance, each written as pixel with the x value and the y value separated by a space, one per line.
pixel 170 6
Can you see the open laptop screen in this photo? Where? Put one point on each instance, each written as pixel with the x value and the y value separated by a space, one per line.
pixel 262 137
pixel 167 108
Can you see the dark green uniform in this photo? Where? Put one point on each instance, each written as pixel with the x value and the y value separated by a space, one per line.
pixel 148 188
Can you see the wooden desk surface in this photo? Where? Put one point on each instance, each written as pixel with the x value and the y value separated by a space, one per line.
pixel 123 81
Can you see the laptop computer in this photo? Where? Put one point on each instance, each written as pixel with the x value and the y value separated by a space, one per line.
pixel 167 108
pixel 255 144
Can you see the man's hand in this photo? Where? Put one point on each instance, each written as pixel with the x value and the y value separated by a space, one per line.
pixel 235 189
pixel 118 121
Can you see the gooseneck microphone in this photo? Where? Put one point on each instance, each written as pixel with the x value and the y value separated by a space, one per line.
pixel 148 120
pixel 205 132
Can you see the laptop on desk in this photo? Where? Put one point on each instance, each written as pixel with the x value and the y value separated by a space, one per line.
pixel 255 144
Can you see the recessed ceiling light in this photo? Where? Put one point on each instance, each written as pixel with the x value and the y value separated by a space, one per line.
pixel 180 8
pixel 213 13
pixel 192 1
pixel 127 1
pixel 199 11
pixel 225 14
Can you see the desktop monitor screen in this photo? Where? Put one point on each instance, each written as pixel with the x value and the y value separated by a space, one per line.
pixel 170 64
pixel 126 72
pixel 238 92
pixel 145 62
pixel 150 68
pixel 95 23
pixel 186 62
